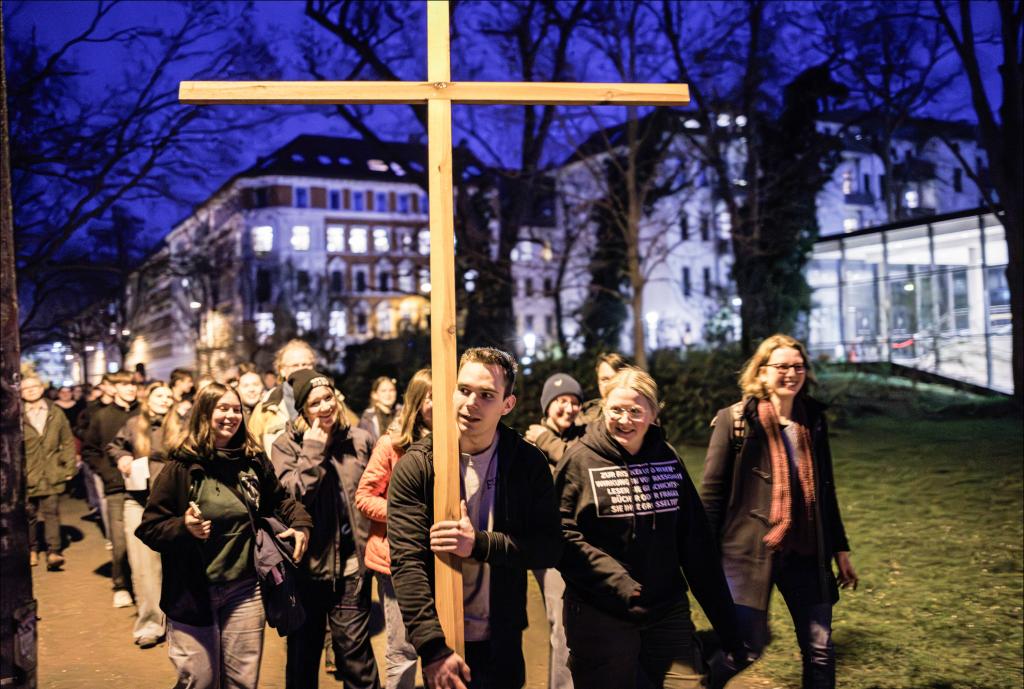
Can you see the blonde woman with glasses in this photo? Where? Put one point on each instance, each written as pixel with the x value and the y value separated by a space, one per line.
pixel 636 539
pixel 769 495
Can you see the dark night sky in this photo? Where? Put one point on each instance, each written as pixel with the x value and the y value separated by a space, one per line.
pixel 55 21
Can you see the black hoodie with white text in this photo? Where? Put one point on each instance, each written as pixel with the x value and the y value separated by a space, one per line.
pixel 635 531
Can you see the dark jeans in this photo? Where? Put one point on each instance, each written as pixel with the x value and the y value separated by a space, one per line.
pixel 344 607
pixel 46 507
pixel 606 651
pixel 797 580
pixel 497 664
pixel 120 572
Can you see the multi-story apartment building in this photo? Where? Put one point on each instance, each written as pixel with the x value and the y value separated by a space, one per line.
pixel 327 238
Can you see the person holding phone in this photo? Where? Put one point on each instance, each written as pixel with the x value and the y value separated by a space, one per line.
pixel 198 518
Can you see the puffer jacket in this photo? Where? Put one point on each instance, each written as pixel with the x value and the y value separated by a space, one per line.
pixel 737 496
pixel 372 500
pixel 50 456
pixel 324 479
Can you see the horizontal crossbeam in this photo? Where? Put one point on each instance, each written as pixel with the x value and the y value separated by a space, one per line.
pixel 395 92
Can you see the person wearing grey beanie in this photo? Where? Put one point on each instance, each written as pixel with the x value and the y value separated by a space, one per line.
pixel 560 402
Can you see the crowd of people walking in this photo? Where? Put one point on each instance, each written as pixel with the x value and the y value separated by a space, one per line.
pixel 192 480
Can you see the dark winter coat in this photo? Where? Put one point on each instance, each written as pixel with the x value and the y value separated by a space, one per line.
pixel 634 527
pixel 554 442
pixel 49 457
pixel 525 536
pixel 123 445
pixel 737 496
pixel 185 594
pixel 103 428
pixel 325 480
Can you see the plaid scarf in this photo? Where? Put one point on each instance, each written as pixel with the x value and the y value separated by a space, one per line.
pixel 782 498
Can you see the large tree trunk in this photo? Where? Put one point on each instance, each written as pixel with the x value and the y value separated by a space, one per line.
pixel 17 607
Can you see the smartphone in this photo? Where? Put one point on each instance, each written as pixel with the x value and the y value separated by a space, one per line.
pixel 195 510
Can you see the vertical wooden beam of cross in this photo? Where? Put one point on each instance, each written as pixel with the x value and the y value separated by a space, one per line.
pixel 438 93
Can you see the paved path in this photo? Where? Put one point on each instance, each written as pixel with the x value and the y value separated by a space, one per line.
pixel 86 643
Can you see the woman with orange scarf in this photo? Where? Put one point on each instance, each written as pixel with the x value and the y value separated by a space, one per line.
pixel 770 499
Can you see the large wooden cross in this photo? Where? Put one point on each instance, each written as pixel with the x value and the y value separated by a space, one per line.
pixel 438 93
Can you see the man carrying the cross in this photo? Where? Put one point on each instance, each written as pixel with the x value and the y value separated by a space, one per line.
pixel 509 525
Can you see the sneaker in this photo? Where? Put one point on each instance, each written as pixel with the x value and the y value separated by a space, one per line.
pixel 54 561
pixel 33 558
pixel 108 545
pixel 148 641
pixel 122 599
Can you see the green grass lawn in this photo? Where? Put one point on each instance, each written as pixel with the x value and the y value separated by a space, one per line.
pixel 935 515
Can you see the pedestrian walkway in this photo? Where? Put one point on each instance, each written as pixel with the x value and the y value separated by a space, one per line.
pixel 85 643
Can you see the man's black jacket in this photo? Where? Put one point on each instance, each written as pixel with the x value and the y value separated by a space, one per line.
pixel 526 535
pixel 103 428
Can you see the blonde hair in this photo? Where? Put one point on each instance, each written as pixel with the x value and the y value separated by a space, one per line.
pixel 141 442
pixel 640 382
pixel 407 428
pixel 301 424
pixel 750 378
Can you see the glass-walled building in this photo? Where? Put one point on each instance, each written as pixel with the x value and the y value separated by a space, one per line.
pixel 928 293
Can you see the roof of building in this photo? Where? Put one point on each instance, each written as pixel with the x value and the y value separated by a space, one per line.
pixel 909 222
pixel 312 155
pixel 913 129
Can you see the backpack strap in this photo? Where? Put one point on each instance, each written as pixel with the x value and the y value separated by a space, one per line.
pixel 739 427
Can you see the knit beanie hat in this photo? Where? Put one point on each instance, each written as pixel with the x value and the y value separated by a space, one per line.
pixel 303 382
pixel 558 385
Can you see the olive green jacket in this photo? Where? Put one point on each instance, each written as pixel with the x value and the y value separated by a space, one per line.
pixel 50 458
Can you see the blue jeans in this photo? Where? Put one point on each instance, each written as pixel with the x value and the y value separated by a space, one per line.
pixel 797 581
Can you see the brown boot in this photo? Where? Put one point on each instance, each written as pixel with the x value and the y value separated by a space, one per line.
pixel 54 561
pixel 33 558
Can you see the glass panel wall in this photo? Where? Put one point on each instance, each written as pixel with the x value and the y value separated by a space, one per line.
pixel 931 296
pixel 864 301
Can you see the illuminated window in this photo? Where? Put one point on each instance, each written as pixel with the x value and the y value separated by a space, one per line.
pixel 850 224
pixel 303 321
pixel 262 239
pixel 335 238
pixel 357 240
pixel 337 324
pixel 912 199
pixel 424 242
pixel 300 238
pixel 381 241
pixel 847 182
pixel 264 326
pixel 424 279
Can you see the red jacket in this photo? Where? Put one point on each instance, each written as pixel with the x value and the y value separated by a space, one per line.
pixel 372 500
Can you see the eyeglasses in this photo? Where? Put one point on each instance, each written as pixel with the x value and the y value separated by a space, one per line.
pixel 786 368
pixel 634 413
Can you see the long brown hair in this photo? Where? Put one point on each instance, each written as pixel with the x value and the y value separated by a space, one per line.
pixel 141 442
pixel 199 440
pixel 409 426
